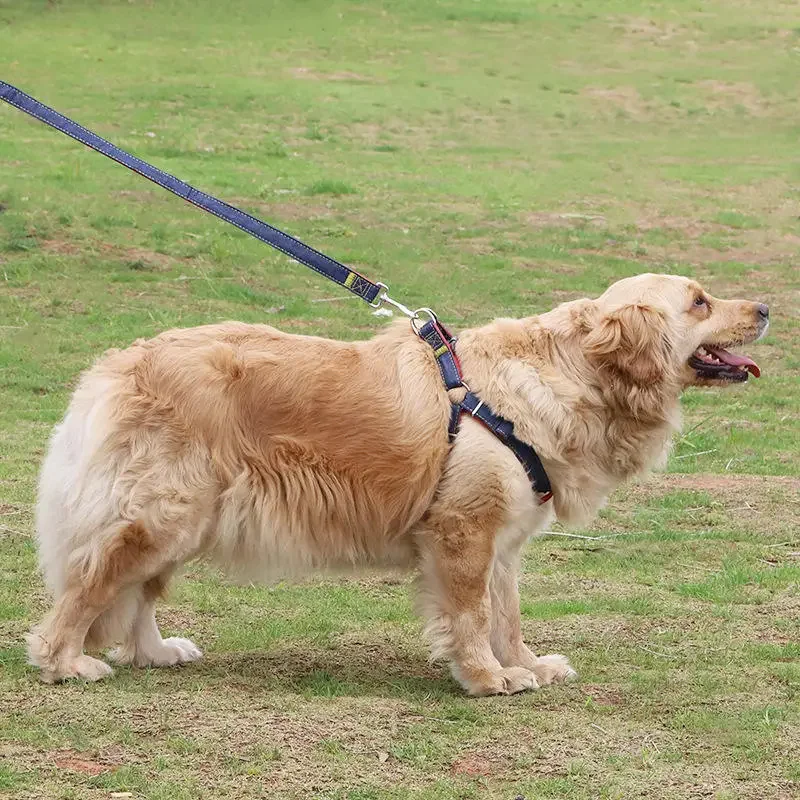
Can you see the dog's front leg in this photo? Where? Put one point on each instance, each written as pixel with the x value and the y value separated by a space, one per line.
pixel 456 560
pixel 507 642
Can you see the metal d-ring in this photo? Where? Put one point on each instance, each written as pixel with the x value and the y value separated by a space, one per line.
pixel 416 324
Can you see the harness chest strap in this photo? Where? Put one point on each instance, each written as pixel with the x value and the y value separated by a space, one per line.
pixel 443 345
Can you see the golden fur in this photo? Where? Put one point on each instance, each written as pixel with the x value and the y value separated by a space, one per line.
pixel 274 454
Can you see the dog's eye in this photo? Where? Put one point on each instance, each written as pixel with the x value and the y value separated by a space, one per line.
pixel 699 302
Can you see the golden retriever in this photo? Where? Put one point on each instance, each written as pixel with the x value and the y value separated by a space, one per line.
pixel 273 454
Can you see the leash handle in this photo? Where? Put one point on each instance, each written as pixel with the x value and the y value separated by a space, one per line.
pixel 294 248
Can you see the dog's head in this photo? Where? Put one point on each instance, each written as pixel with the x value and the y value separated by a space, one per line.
pixel 652 329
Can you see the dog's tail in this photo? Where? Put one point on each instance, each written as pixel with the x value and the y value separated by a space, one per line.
pixel 76 484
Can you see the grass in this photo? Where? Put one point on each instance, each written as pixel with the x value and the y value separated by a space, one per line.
pixel 483 158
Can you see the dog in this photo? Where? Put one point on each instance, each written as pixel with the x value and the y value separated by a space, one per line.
pixel 274 454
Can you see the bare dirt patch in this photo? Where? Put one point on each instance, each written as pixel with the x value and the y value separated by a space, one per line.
pixel 625 98
pixel 731 486
pixel 770 500
pixel 723 95
pixel 134 256
pixel 686 226
pixel 142 258
pixel 603 695
pixel 472 765
pixel 480 245
pixel 563 219
pixel 730 490
pixel 658 238
pixel 643 28
pixel 294 211
pixel 75 762
pixel 346 76
pixel 758 246
pixel 61 247
pixel 771 199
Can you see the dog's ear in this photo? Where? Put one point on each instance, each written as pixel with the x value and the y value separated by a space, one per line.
pixel 632 341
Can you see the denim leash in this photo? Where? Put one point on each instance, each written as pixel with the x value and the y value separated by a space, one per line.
pixel 294 248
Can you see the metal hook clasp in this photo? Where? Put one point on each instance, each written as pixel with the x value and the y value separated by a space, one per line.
pixel 414 316
pixel 383 297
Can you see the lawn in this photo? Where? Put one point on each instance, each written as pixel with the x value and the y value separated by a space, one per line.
pixel 484 158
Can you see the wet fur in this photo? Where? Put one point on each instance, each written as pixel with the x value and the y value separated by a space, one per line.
pixel 273 454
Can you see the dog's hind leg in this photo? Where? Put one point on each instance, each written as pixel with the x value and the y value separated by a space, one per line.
pixel 143 645
pixel 115 623
pixel 94 580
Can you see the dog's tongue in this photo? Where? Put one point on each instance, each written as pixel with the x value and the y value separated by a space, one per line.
pixel 734 360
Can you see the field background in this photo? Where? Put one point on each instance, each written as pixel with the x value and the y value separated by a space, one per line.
pixel 485 158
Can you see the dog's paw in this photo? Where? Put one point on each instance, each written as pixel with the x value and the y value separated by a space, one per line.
pixel 168 653
pixel 554 668
pixel 518 679
pixel 178 651
pixel 121 656
pixel 509 680
pixel 83 668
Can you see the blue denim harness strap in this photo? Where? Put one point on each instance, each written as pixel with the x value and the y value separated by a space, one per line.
pixel 503 429
pixel 294 248
pixel 443 344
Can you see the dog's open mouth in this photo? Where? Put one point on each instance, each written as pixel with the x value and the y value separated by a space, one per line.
pixel 715 363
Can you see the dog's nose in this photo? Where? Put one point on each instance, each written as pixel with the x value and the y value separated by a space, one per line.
pixel 763 310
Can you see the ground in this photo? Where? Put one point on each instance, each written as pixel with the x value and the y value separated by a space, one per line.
pixel 485 159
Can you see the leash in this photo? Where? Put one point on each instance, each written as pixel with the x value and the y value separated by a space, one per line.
pixel 373 293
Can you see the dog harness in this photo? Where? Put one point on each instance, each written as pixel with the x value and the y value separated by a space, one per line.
pixel 374 293
pixel 443 344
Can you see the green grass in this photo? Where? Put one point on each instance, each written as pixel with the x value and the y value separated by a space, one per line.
pixel 483 158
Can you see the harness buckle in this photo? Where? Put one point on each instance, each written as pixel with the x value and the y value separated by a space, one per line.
pixel 477 408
